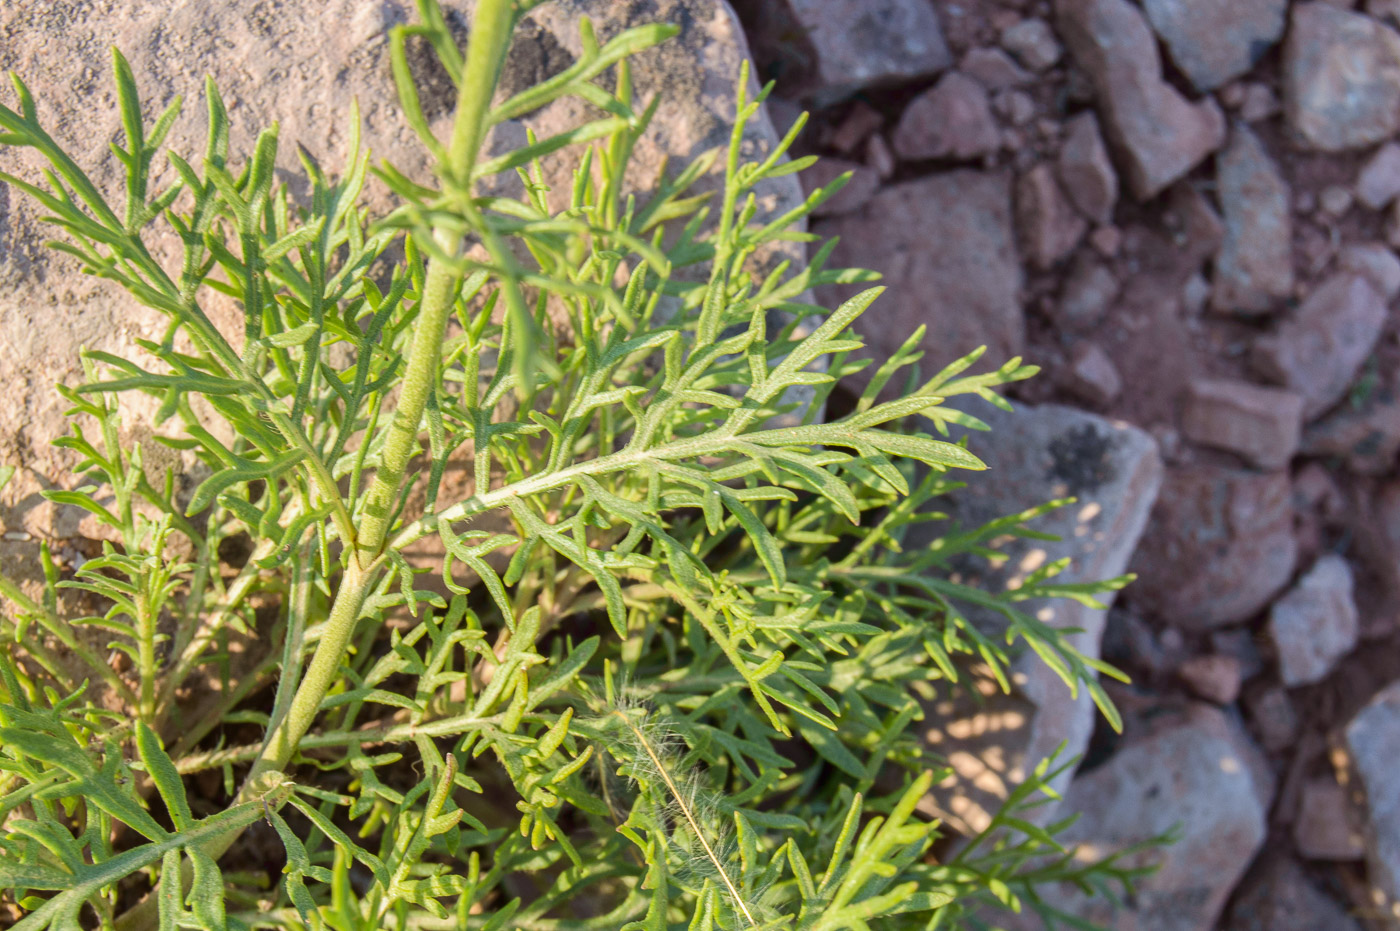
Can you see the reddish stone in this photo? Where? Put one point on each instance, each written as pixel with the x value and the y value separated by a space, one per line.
pixel 862 43
pixel 993 69
pixel 879 157
pixel 1213 677
pixel 947 248
pixel 1160 134
pixel 951 120
pixel 1320 348
pixel 1281 897
pixel 1260 424
pixel 1255 266
pixel 1033 43
pixel 1274 719
pixel 1086 170
pixel 1049 227
pixel 1093 376
pixel 1365 436
pixel 1377 263
pixel 1088 291
pixel 1219 548
pixel 860 121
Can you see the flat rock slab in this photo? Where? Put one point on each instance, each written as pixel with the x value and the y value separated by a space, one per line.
pixel 947 249
pixel 1159 134
pixel 1373 741
pixel 1198 774
pixel 1219 547
pixel 279 62
pixel 1039 454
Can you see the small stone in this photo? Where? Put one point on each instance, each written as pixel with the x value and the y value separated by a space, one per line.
pixel 1373 741
pixel 861 121
pixel 1086 170
pixel 879 157
pixel 1379 181
pixel 1392 225
pixel 1263 425
pixel 1281 897
pixel 1315 489
pixel 1093 376
pixel 1275 721
pixel 1377 263
pixel 1387 11
pixel 993 69
pixel 1213 677
pixel 953 119
pixel 1260 102
pixel 1315 624
pixel 1049 226
pixel 1255 266
pixel 1194 294
pixel 1239 644
pixel 861 186
pixel 1320 348
pixel 1231 96
pixel 1341 78
pixel 1088 291
pixel 1107 241
pixel 1214 41
pixel 1033 43
pixel 1017 107
pixel 1326 828
pixel 1219 548
pixel 1160 134
pixel 865 43
pixel 1335 201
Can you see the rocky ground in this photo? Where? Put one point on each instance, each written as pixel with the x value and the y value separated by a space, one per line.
pixel 1185 211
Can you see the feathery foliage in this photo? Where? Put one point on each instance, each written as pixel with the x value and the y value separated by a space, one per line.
pixel 651 498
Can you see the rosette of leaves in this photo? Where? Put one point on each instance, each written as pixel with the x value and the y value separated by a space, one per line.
pixel 666 672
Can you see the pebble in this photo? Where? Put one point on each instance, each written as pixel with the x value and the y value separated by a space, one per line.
pixel 1213 677
pixel 1033 43
pixel 1049 226
pixel 860 122
pixel 1379 181
pixel 1335 201
pixel 1093 376
pixel 1316 623
pixel 1377 263
pixel 1085 169
pixel 879 157
pixel 1274 718
pixel 953 119
pixel 993 69
pixel 1089 289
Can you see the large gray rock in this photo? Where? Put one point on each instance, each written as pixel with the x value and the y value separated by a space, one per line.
pixel 1255 267
pixel 1341 78
pixel 1373 740
pixel 1197 774
pixel 947 249
pixel 1214 41
pixel 1159 134
pixel 1113 470
pixel 280 62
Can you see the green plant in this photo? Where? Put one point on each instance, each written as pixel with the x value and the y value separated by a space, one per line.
pixel 651 576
